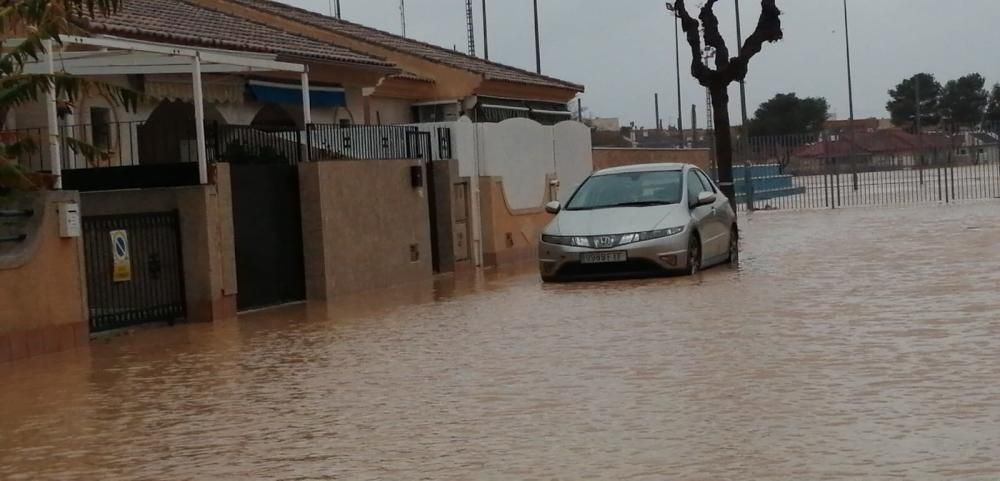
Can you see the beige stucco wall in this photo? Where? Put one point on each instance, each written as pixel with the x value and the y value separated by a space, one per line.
pixel 206 238
pixel 509 235
pixel 390 111
pixel 605 158
pixel 359 221
pixel 42 293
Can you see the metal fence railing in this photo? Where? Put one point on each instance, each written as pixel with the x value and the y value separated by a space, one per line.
pixel 867 168
pixel 170 150
pixel 251 144
pixel 363 142
pixel 113 144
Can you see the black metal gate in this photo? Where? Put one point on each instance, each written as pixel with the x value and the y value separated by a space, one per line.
pixel 134 269
pixel 267 221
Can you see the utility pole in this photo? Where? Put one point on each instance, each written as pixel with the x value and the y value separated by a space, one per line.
pixel 677 58
pixel 742 145
pixel 538 45
pixel 743 84
pixel 402 15
pixel 486 34
pixel 920 128
pixel 656 104
pixel 850 96
pixel 337 4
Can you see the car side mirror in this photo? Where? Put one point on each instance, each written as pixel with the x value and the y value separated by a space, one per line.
pixel 706 198
pixel 553 207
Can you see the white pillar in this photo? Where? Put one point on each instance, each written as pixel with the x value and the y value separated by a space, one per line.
pixel 306 101
pixel 55 155
pixel 199 121
pixel 477 222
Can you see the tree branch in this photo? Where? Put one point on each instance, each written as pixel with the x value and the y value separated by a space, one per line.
pixel 692 30
pixel 713 38
pixel 768 30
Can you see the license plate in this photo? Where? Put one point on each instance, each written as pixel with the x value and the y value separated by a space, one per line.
pixel 603 257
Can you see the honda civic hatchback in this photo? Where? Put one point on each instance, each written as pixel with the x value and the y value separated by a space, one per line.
pixel 655 218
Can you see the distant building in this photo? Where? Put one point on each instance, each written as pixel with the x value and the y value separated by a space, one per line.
pixel 878 149
pixel 976 147
pixel 862 125
pixel 610 124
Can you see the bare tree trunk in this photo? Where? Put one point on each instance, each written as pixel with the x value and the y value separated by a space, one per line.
pixel 723 141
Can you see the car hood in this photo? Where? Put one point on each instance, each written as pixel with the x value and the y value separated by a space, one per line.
pixel 622 220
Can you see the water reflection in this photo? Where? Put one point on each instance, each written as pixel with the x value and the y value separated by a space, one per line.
pixel 857 344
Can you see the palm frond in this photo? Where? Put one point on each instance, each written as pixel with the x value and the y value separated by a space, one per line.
pixel 23 144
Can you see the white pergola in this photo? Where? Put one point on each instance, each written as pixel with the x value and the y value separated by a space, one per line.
pixel 120 56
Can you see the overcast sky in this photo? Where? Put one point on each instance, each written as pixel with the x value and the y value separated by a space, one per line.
pixel 622 50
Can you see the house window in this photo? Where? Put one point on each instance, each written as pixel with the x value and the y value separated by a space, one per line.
pixel 100 127
pixel 430 113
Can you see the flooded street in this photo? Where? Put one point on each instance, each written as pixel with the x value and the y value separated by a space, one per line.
pixel 850 344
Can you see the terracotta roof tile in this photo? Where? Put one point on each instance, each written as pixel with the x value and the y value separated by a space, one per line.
pixel 180 22
pixel 490 70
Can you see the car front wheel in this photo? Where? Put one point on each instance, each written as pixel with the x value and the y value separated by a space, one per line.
pixel 694 255
pixel 734 245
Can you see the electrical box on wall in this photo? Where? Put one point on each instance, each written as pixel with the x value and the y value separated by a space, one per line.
pixel 69 220
pixel 416 176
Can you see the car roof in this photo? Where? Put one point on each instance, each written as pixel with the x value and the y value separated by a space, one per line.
pixel 643 168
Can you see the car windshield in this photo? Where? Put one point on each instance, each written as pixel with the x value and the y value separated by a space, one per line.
pixel 631 189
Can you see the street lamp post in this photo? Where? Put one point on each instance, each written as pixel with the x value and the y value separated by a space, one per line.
pixel 850 96
pixel 743 84
pixel 677 57
pixel 486 34
pixel 538 46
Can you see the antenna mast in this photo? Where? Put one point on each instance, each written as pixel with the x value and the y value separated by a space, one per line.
pixel 470 27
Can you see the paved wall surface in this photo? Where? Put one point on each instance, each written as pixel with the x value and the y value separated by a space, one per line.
pixel 364 227
pixel 42 293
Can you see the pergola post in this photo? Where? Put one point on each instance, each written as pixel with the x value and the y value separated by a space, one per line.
pixel 306 101
pixel 55 154
pixel 199 120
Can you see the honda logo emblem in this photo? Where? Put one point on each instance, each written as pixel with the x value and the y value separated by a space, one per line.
pixel 604 242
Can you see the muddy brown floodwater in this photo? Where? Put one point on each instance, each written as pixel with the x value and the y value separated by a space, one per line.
pixel 853 344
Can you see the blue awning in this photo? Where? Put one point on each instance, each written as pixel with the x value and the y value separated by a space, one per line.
pixel 270 92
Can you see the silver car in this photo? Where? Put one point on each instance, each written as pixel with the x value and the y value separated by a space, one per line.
pixel 640 219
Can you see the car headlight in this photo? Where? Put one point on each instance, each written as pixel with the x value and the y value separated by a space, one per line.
pixel 557 240
pixel 659 234
pixel 576 241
